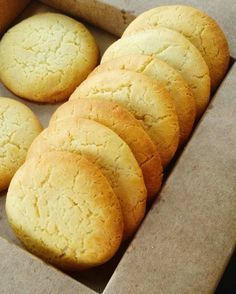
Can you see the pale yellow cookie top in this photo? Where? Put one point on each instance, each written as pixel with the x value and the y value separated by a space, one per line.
pixel 122 122
pixel 145 98
pixel 44 57
pixel 197 27
pixel 172 80
pixel 64 210
pixel 109 152
pixel 173 48
pixel 18 128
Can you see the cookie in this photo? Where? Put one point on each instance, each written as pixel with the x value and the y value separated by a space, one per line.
pixel 145 98
pixel 177 87
pixel 44 57
pixel 173 48
pixel 197 27
pixel 18 128
pixel 64 210
pixel 122 122
pixel 109 152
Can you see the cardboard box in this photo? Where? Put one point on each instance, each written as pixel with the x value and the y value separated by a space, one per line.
pixel 189 234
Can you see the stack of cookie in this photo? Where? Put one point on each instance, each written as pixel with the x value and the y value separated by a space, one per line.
pixel 88 175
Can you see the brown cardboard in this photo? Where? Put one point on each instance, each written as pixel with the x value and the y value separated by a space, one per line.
pixel 21 273
pixel 114 15
pixel 187 237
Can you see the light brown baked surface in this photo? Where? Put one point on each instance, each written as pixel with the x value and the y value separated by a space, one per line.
pixel 145 98
pixel 44 57
pixel 173 81
pixel 109 152
pixel 173 48
pixel 18 128
pixel 198 27
pixel 63 209
pixel 122 122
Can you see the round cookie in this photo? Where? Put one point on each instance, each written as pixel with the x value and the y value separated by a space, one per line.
pixel 18 128
pixel 109 152
pixel 145 98
pixel 197 27
pixel 177 87
pixel 122 122
pixel 64 210
pixel 44 57
pixel 173 48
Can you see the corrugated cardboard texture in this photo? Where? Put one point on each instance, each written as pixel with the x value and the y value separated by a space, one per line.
pixel 22 273
pixel 114 15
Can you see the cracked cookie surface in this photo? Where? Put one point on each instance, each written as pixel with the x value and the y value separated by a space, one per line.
pixel 145 98
pixel 174 83
pixel 106 150
pixel 18 128
pixel 197 27
pixel 122 122
pixel 64 210
pixel 173 48
pixel 44 57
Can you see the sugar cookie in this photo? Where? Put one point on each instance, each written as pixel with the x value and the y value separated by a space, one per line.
pixel 63 209
pixel 109 152
pixel 177 87
pixel 145 98
pixel 173 48
pixel 197 27
pixel 18 128
pixel 122 122
pixel 44 57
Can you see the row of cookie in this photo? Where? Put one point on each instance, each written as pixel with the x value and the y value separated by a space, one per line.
pixel 116 143
pixel 109 135
pixel 77 217
pixel 180 61
pixel 131 109
pixel 184 37
pixel 197 27
pixel 73 128
pixel 86 129
pixel 64 210
pixel 90 238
